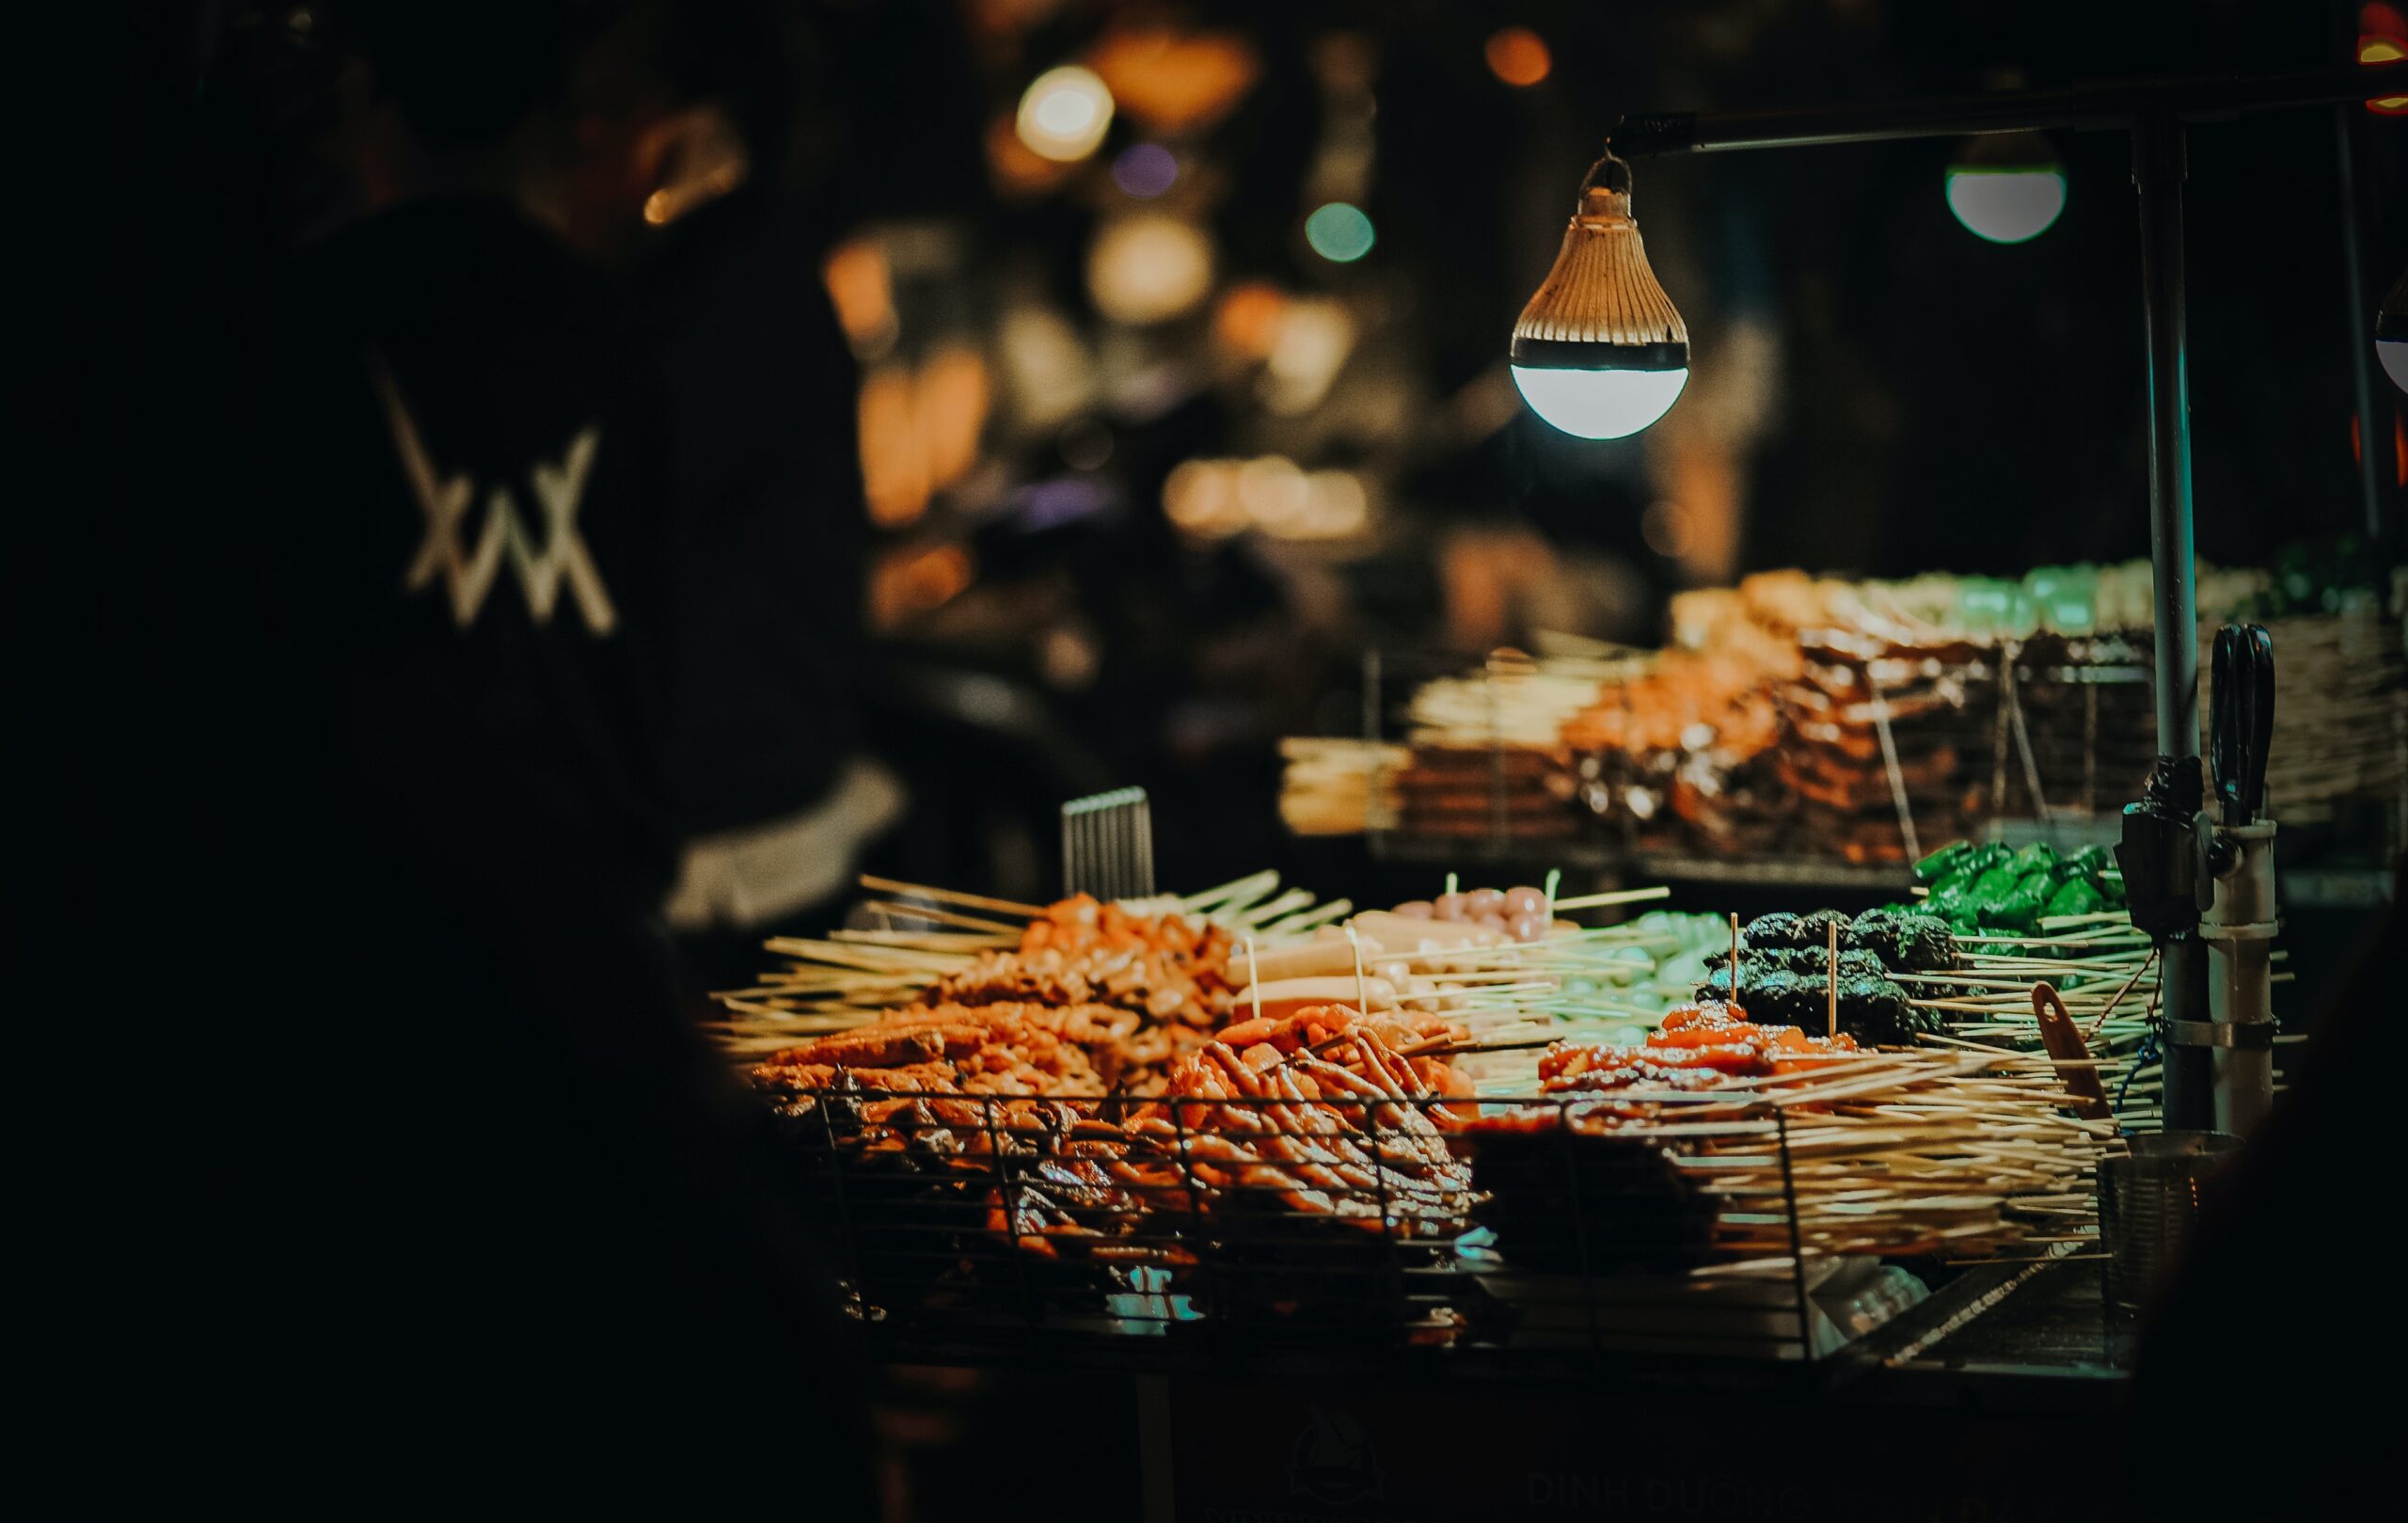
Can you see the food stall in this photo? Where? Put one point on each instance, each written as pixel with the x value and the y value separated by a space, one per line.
pixel 1504 1140
pixel 1522 1160
pixel 1529 1157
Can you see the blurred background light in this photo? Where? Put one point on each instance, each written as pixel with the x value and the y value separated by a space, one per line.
pixel 861 284
pixel 917 580
pixel 1248 318
pixel 1065 114
pixel 1200 497
pixel 1600 403
pixel 1271 495
pixel 1309 347
pixel 1175 82
pixel 1273 492
pixel 1340 232
pixel 919 431
pixel 2382 37
pixel 1518 56
pixel 1144 170
pixel 1148 268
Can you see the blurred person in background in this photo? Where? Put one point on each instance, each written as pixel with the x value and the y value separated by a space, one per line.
pixel 719 223
pixel 497 1210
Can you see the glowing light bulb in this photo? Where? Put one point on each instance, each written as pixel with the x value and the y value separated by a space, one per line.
pixel 1340 232
pixel 2007 206
pixel 1600 403
pixel 1600 351
pixel 2008 188
pixel 1065 114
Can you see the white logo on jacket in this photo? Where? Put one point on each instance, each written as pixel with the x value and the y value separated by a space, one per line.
pixel 468 575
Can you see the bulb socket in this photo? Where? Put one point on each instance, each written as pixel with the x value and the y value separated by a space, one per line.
pixel 1588 355
pixel 2006 153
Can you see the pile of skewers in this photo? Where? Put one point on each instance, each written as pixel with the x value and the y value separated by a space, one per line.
pixel 1273 1109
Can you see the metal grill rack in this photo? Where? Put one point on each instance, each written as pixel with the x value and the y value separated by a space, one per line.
pixel 1002 1225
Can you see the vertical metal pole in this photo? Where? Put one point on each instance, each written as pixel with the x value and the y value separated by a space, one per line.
pixel 2158 171
pixel 2371 435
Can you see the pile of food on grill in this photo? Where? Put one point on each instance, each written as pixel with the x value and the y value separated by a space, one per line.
pixel 1009 1090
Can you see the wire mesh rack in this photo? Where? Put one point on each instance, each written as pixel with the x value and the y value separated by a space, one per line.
pixel 1541 1229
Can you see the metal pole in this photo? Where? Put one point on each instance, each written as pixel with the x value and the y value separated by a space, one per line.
pixel 2346 119
pixel 2110 106
pixel 2158 171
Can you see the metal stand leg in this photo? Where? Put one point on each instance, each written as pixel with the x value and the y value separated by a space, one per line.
pixel 2238 931
pixel 2158 171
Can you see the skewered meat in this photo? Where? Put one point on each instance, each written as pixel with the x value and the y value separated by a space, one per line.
pixel 1806 933
pixel 1872 1008
pixel 1802 961
pixel 1344 1143
pixel 1698 1047
pixel 1906 940
pixel 1079 923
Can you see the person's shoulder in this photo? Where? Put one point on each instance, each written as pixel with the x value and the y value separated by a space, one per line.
pixel 444 263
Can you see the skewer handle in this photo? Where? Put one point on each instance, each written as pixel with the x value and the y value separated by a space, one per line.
pixel 2063 1040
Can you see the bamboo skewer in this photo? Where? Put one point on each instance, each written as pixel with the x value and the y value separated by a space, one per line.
pixel 1598 901
pixel 942 917
pixel 948 895
pixel 1832 988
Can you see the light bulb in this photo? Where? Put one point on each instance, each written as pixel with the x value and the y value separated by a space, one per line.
pixel 1600 403
pixel 1600 351
pixel 2007 187
pixel 1065 114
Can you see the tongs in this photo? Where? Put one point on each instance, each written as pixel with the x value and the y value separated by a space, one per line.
pixel 2240 720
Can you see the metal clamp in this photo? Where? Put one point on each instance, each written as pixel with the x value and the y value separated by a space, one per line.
pixel 2248 930
pixel 2250 1035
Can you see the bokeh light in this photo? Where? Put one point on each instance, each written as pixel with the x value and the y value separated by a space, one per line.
pixel 1171 80
pixel 2382 37
pixel 2384 50
pixel 1144 170
pixel 1148 268
pixel 1314 339
pixel 1518 56
pixel 1216 499
pixel 862 285
pixel 913 579
pixel 1340 232
pixel 920 431
pixel 1248 321
pixel 1065 114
